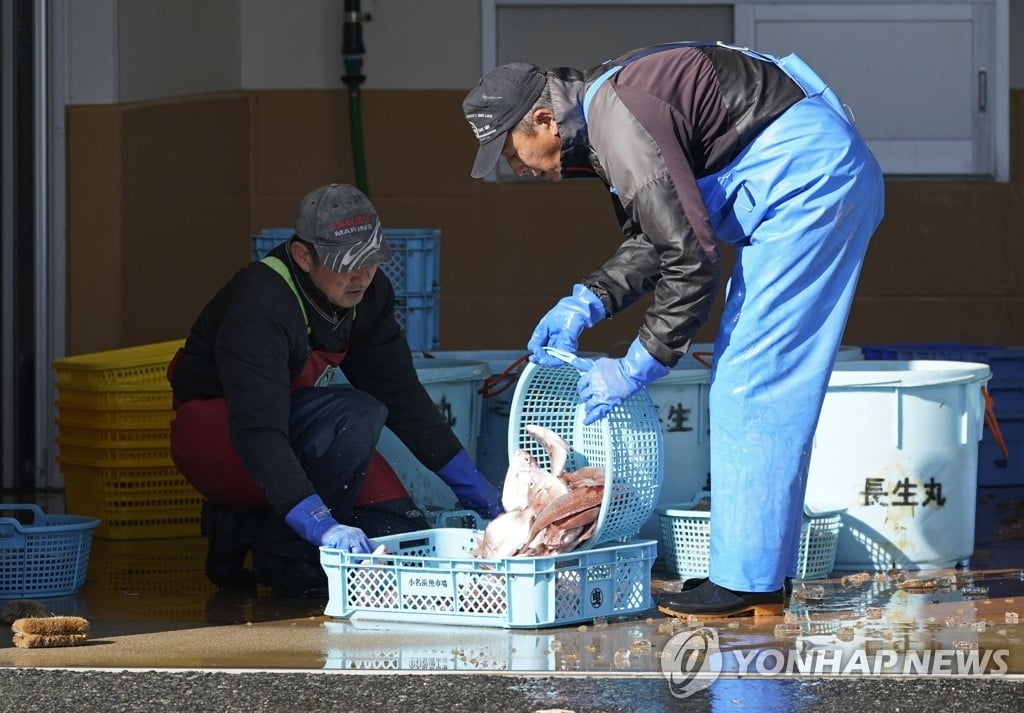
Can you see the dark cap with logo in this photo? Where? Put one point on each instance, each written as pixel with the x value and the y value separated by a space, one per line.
pixel 496 104
pixel 341 223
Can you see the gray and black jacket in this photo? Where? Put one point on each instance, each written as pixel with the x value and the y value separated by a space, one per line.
pixel 671 115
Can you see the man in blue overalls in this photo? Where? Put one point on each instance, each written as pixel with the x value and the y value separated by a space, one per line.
pixel 286 463
pixel 700 143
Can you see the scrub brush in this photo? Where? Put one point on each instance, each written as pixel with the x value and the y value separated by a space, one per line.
pixel 49 631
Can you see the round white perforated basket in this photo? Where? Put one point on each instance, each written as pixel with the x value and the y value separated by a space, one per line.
pixel 627 443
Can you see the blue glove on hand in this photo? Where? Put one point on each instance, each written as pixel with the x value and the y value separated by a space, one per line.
pixel 313 521
pixel 562 325
pixel 611 381
pixel 472 489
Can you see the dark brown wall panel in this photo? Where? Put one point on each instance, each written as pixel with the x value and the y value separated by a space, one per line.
pixel 94 264
pixel 182 184
pixel 185 209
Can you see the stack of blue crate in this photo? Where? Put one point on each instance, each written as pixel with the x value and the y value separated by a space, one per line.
pixel 414 271
pixel 995 467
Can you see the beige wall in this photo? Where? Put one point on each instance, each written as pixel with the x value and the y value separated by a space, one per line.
pixel 164 195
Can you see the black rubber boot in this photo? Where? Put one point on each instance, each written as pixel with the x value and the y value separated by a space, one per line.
pixel 688 584
pixel 230 535
pixel 289 577
pixel 709 599
pixel 287 564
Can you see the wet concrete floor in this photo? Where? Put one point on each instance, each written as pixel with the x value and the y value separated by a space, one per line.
pixel 151 609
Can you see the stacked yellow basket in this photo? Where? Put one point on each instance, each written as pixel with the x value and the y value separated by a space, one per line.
pixel 113 424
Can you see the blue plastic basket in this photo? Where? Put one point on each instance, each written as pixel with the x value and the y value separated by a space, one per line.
pixel 415 256
pixel 45 558
pixel 1006 388
pixel 1006 362
pixel 418 317
pixel 267 240
pixel 415 260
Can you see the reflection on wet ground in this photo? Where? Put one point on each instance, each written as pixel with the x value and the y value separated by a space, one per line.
pixel 150 606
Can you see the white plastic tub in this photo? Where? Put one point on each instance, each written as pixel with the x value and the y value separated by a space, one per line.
pixel 454 387
pixel 897 446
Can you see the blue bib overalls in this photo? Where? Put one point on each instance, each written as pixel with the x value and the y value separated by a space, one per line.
pixel 800 203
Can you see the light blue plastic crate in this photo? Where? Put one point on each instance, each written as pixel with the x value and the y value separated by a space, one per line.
pixel 429 577
pixel 686 540
pixel 415 260
pixel 415 256
pixel 47 557
pixel 267 240
pixel 418 317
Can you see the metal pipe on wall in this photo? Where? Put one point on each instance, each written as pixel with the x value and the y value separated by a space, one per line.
pixel 8 456
pixel 49 253
pixel 352 51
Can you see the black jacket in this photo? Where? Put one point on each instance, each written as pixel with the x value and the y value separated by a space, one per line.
pixel 671 115
pixel 250 341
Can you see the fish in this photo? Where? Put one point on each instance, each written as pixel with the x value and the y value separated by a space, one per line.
pixel 555 445
pixel 566 522
pixel 546 511
pixel 506 534
pixel 522 471
pixel 526 482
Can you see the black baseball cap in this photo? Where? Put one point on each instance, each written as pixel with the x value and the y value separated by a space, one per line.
pixel 496 104
pixel 341 223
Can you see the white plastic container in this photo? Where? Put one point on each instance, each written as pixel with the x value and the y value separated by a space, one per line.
pixel 496 404
pixel 454 387
pixel 897 446
pixel 681 398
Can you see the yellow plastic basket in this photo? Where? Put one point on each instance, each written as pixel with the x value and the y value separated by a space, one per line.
pixel 171 567
pixel 143 365
pixel 114 437
pixel 114 453
pixel 130 398
pixel 114 419
pixel 133 502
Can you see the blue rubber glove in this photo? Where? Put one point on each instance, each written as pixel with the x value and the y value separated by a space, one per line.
pixel 314 523
pixel 562 325
pixel 609 382
pixel 472 489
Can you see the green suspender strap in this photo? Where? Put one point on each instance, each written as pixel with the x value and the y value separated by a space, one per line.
pixel 281 269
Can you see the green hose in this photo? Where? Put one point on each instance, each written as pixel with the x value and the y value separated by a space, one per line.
pixel 358 150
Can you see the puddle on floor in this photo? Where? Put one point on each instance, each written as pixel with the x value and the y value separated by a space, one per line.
pixel 150 605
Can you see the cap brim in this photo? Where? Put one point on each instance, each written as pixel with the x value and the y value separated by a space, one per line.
pixel 487 156
pixel 354 256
